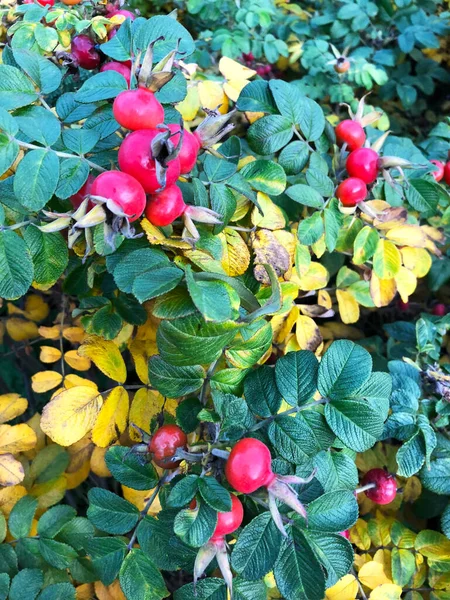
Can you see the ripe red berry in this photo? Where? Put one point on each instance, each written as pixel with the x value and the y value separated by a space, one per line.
pixel 84 191
pixel 351 191
pixel 135 158
pixel 403 306
pixel 125 191
pixel 342 65
pixel 345 534
pixel 249 466
pixel 447 173
pixel 363 163
pixel 439 174
pixel 138 109
pixel 119 68
pixel 386 486
pixel 351 133
pixel 190 147
pixel 165 443
pixel 40 2
pixel 439 310
pixel 163 208
pixel 227 522
pixel 125 13
pixel 84 53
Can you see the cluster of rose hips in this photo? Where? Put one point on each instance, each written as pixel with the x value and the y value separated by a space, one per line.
pixel 442 171
pixel 438 310
pixel 248 58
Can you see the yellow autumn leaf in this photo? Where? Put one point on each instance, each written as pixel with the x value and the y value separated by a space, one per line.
pixel 69 416
pixel 20 329
pixel 11 406
pixel 406 283
pixel 236 255
pixel 35 309
pixel 348 306
pixel 11 470
pixel 433 545
pixel 112 418
pixel 98 463
pixel 407 235
pixel 307 333
pixel 49 333
pixel 9 496
pixel 156 237
pixel 189 107
pixel 386 260
pixel 345 589
pixel 139 498
pixel 146 404
pixel 141 351
pixel 382 291
pixel 77 477
pixel 73 380
pixel 282 324
pixel 234 87
pixel 75 335
pixel 49 354
pixel 324 299
pixel 50 492
pixel 232 69
pixel 412 489
pixel 85 591
pixel 416 260
pixel 359 535
pixel 372 574
pixel 212 96
pixel 110 592
pixel 77 362
pixel 80 452
pixel 106 357
pixel 272 217
pixel 315 278
pixel 45 381
pixel 16 438
pixel 268 250
pixel 386 591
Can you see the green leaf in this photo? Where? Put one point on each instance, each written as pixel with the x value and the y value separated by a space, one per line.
pixel 320 182
pixel 80 141
pixel 16 89
pixel 8 123
pixel 333 512
pixel 54 519
pixel 76 533
pixel 261 392
pixel 46 37
pixel 256 97
pixel 101 86
pixel 292 438
pixel 306 195
pixel 129 469
pixel 311 229
pixel 73 175
pixel 71 111
pixel 212 298
pixel 335 471
pixel 265 176
pixel 356 424
pixel 296 376
pixel 297 571
pixel 186 414
pixel 195 527
pixel 16 267
pixel 183 491
pixel 8 560
pixel 403 566
pixel 4 586
pixel 312 121
pixel 103 121
pixel 248 590
pixel 223 201
pixel 423 196
pixel 49 253
pixel 411 456
pixel 270 134
pixel 156 281
pixel 169 33
pixel 365 245
pixel 8 153
pixel 334 552
pixel 172 381
pixel 250 345
pixel 118 47
pixel 333 224
pixel 287 99
pixel 36 178
pixel 57 554
pixel 2 527
pixel 294 157
pixel 110 513
pixel 26 583
pixel 58 591
pixel 39 125
pixel 140 579
pixel 257 548
pixel 206 589
pixel 218 169
pixel 214 494
pixel 46 75
pixel 344 368
pixel 107 555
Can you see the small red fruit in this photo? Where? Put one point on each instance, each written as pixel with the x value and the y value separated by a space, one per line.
pixel 119 68
pixel 351 133
pixel 164 445
pixel 227 522
pixel 124 191
pixel 125 13
pixel 351 191
pixel 386 486
pixel 345 534
pixel 439 174
pixel 84 191
pixel 188 152
pixel 363 163
pixel 40 2
pixel 249 466
pixel 342 65
pixel 439 310
pixel 403 306
pixel 138 109
pixel 163 208
pixel 84 52
pixel 447 173
pixel 135 158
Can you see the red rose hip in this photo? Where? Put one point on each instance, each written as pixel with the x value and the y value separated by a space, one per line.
pixel 351 133
pixel 125 192
pixel 164 445
pixel 188 152
pixel 351 191
pixel 385 488
pixel 119 68
pixel 138 109
pixel 84 53
pixel 363 163
pixel 227 522
pixel 439 310
pixel 249 466
pixel 447 173
pixel 163 208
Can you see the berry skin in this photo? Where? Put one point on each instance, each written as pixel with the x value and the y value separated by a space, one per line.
pixel 249 466
pixel 439 174
pixel 363 163
pixel 84 191
pixel 71 2
pixel 351 133
pixel 138 109
pixel 447 173
pixel 125 191
pixel 40 2
pixel 125 13
pixel 119 68
pixel 135 159
pixel 342 65
pixel 351 191
pixel 439 310
pixel 84 52
pixel 386 486
pixel 189 148
pixel 227 522
pixel 345 534
pixel 164 208
pixel 165 443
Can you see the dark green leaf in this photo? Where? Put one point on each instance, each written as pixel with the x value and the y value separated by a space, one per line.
pixel 110 513
pixel 129 469
pixel 172 381
pixel 36 178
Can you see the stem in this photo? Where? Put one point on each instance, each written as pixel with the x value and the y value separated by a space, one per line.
pixel 220 453
pixel 60 154
pixel 368 486
pixel 45 105
pixel 61 343
pixel 363 595
pixel 145 510
pixel 290 411
pixel 209 374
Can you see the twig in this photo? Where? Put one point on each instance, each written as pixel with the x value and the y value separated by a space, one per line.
pixel 60 154
pixel 290 411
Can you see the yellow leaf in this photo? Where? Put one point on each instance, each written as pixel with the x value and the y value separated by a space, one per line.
pixel 69 416
pixel 433 545
pixel 75 335
pixel 11 470
pixel 302 259
pixel 45 380
pixel 73 380
pixel 16 438
pixel 307 333
pixel 20 330
pixel 231 69
pixel 382 290
pixel 98 463
pixel 49 493
pixel 212 96
pixel 340 331
pixel 79 453
pixel 110 592
pixel 112 419
pixel 386 591
pixel 315 278
pixel 156 237
pixel 435 234
pixel 345 589
pixel 283 324
pixel 11 406
pixel 359 535
pixel 77 477
pixel 234 87
pixel 383 556
pixel 416 260
pixel 236 255
pixel 49 333
pixel 407 235
pixel 412 489
pixel 406 283
pixel 348 307
pixel 386 260
pixel 106 356
pixel 254 116
pixel 146 404
pixel 372 575
pixel 35 308
pixel 139 498
pixel 324 299
pixel 268 250
pixel 272 217
pixel 77 362
pixel 190 106
pixel 9 496
pixel 141 351
pixel 85 591
pixel 49 354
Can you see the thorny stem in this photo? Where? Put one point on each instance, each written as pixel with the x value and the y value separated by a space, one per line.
pixel 290 411
pixel 60 154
